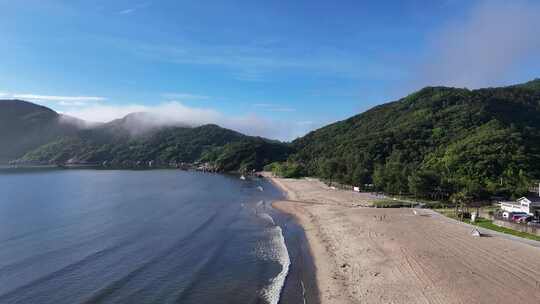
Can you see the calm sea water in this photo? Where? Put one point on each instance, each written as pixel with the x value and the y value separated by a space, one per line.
pixel 160 236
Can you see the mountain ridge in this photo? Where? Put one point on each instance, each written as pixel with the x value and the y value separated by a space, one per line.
pixel 141 137
pixel 25 126
pixel 462 138
pixel 476 142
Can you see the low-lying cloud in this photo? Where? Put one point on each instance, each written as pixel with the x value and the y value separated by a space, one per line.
pixel 71 101
pixel 177 113
pixel 168 113
pixel 487 48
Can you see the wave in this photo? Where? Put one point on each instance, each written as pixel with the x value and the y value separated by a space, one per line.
pixel 267 218
pixel 277 252
pixel 114 286
pixel 303 292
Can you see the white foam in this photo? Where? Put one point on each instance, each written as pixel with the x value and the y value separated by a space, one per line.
pixel 267 218
pixel 276 252
pixel 303 291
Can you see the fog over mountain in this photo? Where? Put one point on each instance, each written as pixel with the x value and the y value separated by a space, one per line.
pixel 33 134
pixel 174 113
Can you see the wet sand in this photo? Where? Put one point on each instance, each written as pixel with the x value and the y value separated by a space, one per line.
pixel 369 255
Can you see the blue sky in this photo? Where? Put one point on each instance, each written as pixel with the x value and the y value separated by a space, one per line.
pixel 271 68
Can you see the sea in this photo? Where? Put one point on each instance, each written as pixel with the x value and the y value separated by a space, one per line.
pixel 148 236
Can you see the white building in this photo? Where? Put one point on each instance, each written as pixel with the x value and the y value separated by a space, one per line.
pixel 529 205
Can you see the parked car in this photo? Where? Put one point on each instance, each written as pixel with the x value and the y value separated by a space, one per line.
pixel 516 216
pixel 508 215
pixel 525 219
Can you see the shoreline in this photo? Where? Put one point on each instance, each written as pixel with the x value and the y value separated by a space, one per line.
pixel 300 284
pixel 315 247
pixel 392 255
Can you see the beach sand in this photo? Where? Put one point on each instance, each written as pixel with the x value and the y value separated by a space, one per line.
pixel 370 255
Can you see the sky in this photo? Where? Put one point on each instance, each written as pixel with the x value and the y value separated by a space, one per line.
pixel 270 68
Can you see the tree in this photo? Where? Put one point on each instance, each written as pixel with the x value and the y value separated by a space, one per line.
pixel 379 177
pixel 329 169
pixel 360 176
pixel 424 184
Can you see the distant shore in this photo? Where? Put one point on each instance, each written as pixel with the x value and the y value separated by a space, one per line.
pixel 371 255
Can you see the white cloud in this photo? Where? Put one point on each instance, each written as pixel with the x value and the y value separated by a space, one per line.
pixel 184 96
pixel 78 101
pixel 127 11
pixel 92 110
pixel 168 112
pixel 487 48
pixel 131 10
pixel 175 113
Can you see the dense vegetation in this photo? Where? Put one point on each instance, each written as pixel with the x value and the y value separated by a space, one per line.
pixel 288 169
pixel 227 150
pixel 248 154
pixel 439 143
pixel 35 134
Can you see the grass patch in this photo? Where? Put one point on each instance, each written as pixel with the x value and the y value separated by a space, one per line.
pixel 488 224
pixel 389 203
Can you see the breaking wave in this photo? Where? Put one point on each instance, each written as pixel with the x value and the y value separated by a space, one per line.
pixel 275 251
pixel 267 218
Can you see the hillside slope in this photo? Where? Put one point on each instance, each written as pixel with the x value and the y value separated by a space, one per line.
pixel 117 144
pixel 475 141
pixel 437 142
pixel 25 126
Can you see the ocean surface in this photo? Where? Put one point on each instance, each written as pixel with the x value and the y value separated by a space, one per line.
pixel 156 236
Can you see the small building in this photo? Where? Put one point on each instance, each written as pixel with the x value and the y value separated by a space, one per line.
pixel 529 205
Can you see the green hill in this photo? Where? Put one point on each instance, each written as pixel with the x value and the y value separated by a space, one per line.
pixel 25 126
pixel 119 145
pixel 531 85
pixel 436 142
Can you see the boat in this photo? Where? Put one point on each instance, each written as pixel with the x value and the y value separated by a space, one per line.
pixel 242 177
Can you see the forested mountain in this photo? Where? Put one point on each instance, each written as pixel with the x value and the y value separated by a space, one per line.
pixel 25 126
pixel 436 142
pixel 36 134
pixel 226 149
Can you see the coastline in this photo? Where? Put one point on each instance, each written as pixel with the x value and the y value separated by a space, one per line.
pixel 328 290
pixel 300 285
pixel 373 255
pixel 316 251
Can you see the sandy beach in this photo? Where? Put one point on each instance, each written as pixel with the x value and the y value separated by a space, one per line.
pixel 369 255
